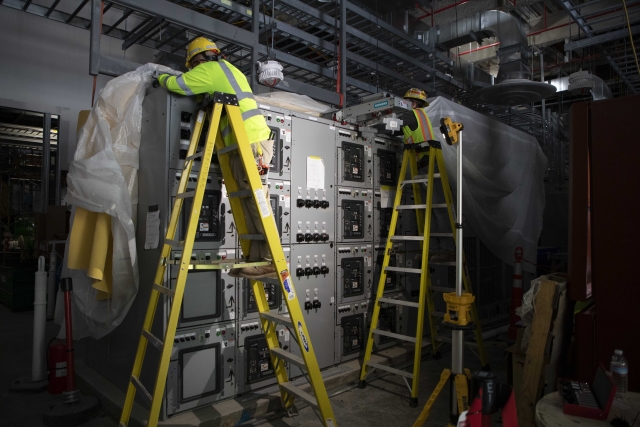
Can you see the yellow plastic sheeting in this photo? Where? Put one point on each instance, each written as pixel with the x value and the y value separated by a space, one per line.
pixel 91 249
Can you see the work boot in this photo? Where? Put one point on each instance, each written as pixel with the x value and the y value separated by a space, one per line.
pixel 235 272
pixel 259 272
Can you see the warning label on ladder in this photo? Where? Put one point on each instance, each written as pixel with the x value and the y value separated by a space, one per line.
pixel 262 203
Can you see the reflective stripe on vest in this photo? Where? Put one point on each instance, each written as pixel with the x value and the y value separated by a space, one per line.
pixel 424 124
pixel 183 86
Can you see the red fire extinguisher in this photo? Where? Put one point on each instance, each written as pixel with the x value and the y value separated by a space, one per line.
pixel 57 367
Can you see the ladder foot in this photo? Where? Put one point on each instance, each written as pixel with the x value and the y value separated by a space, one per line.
pixel 486 368
pixel 437 355
pixel 292 411
pixel 413 402
pixel 362 384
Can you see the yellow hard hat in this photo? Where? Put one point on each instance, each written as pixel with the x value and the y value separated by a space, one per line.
pixel 199 45
pixel 418 94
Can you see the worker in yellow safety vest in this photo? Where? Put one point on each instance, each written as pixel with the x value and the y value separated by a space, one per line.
pixel 209 72
pixel 416 126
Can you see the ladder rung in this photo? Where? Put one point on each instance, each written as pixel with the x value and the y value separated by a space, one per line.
pixel 283 354
pixel 407 207
pixel 453 263
pixel 415 181
pixel 441 234
pixel 240 194
pixel 174 243
pixel 164 290
pixel 252 236
pixel 153 340
pixel 441 289
pixel 138 385
pixel 399 302
pixel 449 340
pixel 185 195
pixel 290 388
pixel 438 205
pixel 390 369
pixel 278 318
pixel 404 270
pixel 194 156
pixel 409 238
pixel 228 149
pixel 435 175
pixel 394 335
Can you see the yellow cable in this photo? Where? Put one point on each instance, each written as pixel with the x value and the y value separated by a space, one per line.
pixel 624 3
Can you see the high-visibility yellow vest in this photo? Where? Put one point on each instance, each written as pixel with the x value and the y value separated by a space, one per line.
pixel 221 76
pixel 423 132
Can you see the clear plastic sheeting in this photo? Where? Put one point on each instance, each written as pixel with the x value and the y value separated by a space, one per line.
pixel 103 178
pixel 293 101
pixel 503 180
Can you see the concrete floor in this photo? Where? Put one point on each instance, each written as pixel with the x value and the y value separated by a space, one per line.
pixel 383 402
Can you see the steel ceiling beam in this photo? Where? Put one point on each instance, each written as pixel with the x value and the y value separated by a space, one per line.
pixel 604 38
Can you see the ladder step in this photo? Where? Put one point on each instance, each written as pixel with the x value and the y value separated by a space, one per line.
pixel 394 335
pixel 390 369
pixel 453 263
pixel 309 399
pixel 415 181
pixel 163 289
pixel 404 270
pixel 142 389
pixel 438 205
pixel 435 175
pixel 228 149
pixel 185 195
pixel 408 207
pixel 174 243
pixel 194 156
pixel 449 340
pixel 399 302
pixel 441 289
pixel 408 238
pixel 441 234
pixel 152 339
pixel 252 236
pixel 283 354
pixel 277 318
pixel 240 194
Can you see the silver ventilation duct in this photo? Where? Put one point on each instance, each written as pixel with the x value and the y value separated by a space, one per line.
pixel 581 82
pixel 514 85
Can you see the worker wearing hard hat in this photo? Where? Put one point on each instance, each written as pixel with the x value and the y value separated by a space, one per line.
pixel 416 125
pixel 209 72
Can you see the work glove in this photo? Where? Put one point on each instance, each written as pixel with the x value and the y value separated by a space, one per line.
pixel 155 83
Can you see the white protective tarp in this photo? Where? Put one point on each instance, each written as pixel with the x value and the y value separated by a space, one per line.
pixel 502 180
pixel 103 178
pixel 293 101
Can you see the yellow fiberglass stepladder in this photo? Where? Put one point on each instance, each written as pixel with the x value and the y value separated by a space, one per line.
pixel 426 296
pixel 221 103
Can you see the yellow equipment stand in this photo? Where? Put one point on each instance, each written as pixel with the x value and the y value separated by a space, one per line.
pixel 227 104
pixel 423 216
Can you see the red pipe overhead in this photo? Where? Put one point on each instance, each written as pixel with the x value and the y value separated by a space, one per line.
pixel 435 12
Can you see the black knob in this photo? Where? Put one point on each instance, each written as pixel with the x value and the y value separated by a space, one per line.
pixel 308 271
pixel 325 204
pixel 207 334
pixel 317 304
pixel 308 203
pixel 181 339
pixel 300 203
pixel 307 305
pixel 308 237
pixel 316 237
pixel 300 237
pixel 176 340
pixel 316 204
pixel 316 270
pixel 324 269
pixel 325 237
pixel 299 272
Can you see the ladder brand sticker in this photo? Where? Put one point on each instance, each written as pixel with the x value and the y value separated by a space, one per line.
pixel 262 203
pixel 380 104
pixel 286 281
pixel 303 338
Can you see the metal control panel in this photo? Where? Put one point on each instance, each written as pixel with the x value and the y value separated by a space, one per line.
pixel 312 189
pixel 355 161
pixel 216 228
pixel 382 211
pixel 280 199
pixel 202 367
pixel 351 337
pixel 255 369
pixel 314 267
pixel 395 281
pixel 389 320
pixel 279 121
pixel 210 295
pixel 354 214
pixel 354 272
pixel 387 158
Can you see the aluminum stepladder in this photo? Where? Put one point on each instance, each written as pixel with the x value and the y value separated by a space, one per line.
pixel 426 294
pixel 227 104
